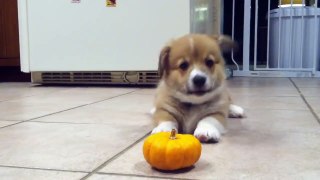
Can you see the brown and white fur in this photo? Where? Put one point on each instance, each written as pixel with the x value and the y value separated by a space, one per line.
pixel 192 96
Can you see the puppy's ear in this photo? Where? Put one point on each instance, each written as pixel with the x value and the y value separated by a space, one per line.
pixel 225 42
pixel 164 61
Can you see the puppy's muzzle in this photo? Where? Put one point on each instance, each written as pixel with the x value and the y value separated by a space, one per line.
pixel 199 81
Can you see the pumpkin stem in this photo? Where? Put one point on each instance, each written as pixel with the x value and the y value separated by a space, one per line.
pixel 173 134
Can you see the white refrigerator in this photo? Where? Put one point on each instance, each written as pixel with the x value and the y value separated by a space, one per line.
pixel 91 41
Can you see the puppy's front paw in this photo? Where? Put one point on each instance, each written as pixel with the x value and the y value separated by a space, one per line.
pixel 207 133
pixel 165 127
pixel 236 111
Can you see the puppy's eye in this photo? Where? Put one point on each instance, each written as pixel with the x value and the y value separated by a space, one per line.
pixel 209 63
pixel 184 66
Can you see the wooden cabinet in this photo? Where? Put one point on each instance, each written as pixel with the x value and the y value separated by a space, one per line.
pixel 9 33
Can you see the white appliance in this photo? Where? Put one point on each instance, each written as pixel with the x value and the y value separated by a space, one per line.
pixel 85 41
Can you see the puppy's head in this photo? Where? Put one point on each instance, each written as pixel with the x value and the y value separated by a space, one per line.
pixel 193 65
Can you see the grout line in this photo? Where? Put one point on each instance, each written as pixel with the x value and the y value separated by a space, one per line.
pixel 12 124
pixel 42 169
pixel 115 157
pixel 305 101
pixel 135 175
pixel 67 109
pixel 9 120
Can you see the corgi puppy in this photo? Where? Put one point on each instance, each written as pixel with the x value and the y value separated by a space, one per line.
pixel 192 96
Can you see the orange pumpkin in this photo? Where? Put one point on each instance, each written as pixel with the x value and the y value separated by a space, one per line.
pixel 171 151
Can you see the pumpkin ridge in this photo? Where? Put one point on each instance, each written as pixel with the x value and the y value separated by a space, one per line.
pixel 147 145
pixel 185 151
pixel 173 149
pixel 163 139
pixel 149 149
pixel 184 154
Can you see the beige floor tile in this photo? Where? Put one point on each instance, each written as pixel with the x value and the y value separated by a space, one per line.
pixel 141 103
pixel 265 92
pixel 99 114
pixel 150 91
pixel 78 147
pixel 241 154
pixel 307 82
pixel 259 82
pixel 10 91
pixel 260 102
pixel 19 173
pixel 128 109
pixel 6 123
pixel 36 106
pixel 310 91
pixel 116 177
pixel 275 121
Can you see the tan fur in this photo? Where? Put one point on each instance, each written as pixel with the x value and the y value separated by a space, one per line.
pixel 173 82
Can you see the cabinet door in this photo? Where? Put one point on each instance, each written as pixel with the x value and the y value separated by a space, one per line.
pixel 2 36
pixel 9 34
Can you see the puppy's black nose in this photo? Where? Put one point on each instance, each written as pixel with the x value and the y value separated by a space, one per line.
pixel 199 81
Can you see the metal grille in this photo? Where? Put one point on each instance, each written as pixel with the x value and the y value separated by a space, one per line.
pixel 292 41
pixel 128 77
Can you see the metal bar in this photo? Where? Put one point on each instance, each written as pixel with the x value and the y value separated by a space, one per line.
pixel 276 74
pixel 268 38
pixel 256 34
pixel 302 36
pixel 221 17
pixel 279 41
pixel 246 35
pixel 233 27
pixel 290 34
pixel 316 37
pixel 192 16
pixel 285 69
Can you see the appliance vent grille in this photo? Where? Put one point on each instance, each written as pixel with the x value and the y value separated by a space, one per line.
pixel 125 77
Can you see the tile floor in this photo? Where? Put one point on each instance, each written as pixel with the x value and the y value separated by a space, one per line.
pixel 50 132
